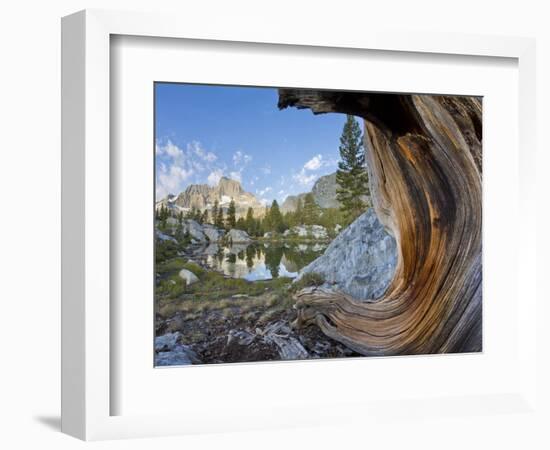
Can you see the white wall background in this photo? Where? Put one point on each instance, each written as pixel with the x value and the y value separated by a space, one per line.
pixel 30 237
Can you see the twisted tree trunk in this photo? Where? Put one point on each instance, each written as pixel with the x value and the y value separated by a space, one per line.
pixel 424 159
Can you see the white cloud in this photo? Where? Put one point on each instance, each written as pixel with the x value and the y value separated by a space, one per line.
pixel 314 163
pixel 169 181
pixel 266 170
pixel 282 195
pixel 173 150
pixel 196 148
pixel 303 179
pixel 214 177
pixel 160 192
pixel 235 176
pixel 330 163
pixel 262 192
pixel 180 173
pixel 175 167
pixel 241 159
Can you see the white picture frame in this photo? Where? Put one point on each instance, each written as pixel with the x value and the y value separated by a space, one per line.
pixel 87 325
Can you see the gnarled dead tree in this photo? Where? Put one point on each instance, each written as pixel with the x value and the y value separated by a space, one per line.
pixel 424 160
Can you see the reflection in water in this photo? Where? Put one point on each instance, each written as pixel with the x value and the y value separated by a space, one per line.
pixel 259 262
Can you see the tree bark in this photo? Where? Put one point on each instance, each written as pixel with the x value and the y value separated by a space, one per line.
pixel 424 160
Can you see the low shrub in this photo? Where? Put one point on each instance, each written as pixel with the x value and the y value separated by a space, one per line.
pixel 165 250
pixel 172 265
pixel 308 279
pixel 171 287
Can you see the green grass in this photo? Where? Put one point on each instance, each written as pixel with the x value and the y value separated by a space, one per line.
pixel 308 280
pixel 211 285
pixel 195 268
pixel 178 263
pixel 214 293
pixel 170 265
pixel 214 285
pixel 269 302
pixel 172 285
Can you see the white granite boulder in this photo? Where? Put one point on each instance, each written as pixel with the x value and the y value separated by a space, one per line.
pixel 235 236
pixel 194 229
pixel 212 233
pixel 170 352
pixel 188 276
pixel 360 261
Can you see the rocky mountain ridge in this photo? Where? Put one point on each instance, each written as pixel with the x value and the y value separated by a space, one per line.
pixel 204 196
pixel 324 194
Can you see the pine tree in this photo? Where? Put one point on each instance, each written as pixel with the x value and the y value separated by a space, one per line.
pixel 241 224
pixel 198 216
pixel 215 212
pixel 231 220
pixel 163 216
pixel 219 218
pixel 161 213
pixel 179 234
pixel 250 225
pixel 310 211
pixel 276 218
pixel 273 256
pixel 299 213
pixel 266 222
pixel 351 177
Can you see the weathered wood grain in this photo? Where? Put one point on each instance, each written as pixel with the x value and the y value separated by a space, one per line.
pixel 424 160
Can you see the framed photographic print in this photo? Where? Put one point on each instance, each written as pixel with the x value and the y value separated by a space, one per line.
pixel 267 221
pixel 291 232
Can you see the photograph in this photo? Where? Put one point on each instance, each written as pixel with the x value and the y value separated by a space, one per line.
pixel 299 224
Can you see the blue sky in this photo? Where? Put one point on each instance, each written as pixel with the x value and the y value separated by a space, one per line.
pixel 205 132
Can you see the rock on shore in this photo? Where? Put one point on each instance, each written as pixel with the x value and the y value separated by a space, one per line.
pixel 234 235
pixel 170 352
pixel 360 261
pixel 212 233
pixel 188 276
pixel 194 229
pixel 307 231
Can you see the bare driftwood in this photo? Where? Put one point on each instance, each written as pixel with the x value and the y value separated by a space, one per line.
pixel 424 160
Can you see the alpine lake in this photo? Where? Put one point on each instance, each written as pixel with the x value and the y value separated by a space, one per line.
pixel 258 261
